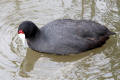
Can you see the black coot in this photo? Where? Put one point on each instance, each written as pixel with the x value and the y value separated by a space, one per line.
pixel 64 36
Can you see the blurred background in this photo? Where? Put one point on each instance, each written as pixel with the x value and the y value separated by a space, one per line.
pixel 19 63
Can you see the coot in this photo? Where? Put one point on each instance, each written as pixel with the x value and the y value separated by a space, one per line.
pixel 64 36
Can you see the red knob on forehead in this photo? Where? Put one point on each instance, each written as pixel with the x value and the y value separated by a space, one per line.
pixel 20 32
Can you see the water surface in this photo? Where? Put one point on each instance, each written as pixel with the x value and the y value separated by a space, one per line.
pixel 20 63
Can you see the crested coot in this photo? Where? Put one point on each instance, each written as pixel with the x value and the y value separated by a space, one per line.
pixel 64 36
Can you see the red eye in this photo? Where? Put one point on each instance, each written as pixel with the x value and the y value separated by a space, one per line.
pixel 20 32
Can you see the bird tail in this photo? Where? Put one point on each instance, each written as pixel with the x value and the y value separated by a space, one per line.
pixel 111 33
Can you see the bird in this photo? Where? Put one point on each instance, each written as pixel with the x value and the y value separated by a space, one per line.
pixel 64 36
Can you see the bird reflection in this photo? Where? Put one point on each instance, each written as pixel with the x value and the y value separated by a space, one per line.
pixel 32 57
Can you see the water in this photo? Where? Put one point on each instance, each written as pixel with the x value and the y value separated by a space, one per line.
pixel 20 63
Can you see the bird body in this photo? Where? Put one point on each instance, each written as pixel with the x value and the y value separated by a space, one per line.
pixel 65 36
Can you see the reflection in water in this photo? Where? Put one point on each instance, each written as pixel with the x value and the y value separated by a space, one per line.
pixel 30 60
pixel 91 68
pixel 98 64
